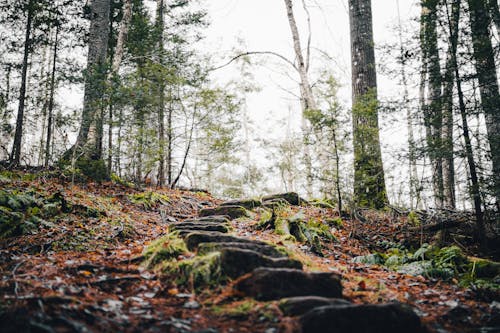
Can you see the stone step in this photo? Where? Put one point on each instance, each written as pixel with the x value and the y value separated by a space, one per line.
pixel 193 239
pixel 237 262
pixel 267 250
pixel 297 306
pixel 369 318
pixel 233 212
pixel 291 197
pixel 275 283
pixel 246 203
pixel 210 219
pixel 189 227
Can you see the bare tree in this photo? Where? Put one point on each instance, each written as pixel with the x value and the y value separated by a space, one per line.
pixel 369 180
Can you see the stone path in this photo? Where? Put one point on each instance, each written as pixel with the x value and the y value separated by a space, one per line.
pixel 263 272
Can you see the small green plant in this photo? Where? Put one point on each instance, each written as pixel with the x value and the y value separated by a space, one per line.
pixel 413 219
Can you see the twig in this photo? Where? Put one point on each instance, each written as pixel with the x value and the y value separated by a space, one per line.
pixel 16 286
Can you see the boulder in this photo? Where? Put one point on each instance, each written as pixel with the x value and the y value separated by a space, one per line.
pixel 267 250
pixel 233 212
pixel 237 262
pixel 297 306
pixel 369 318
pixel 274 283
pixel 193 239
pixel 291 197
pixel 246 203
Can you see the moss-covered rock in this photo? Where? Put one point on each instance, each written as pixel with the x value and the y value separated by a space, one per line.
pixel 276 283
pixel 164 249
pixel 291 197
pixel 267 250
pixel 236 262
pixel 233 212
pixel 195 238
pixel 370 259
pixel 198 272
pixel 246 203
pixel 187 227
pixel 296 306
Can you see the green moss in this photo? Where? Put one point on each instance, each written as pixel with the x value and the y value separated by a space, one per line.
pixel 118 180
pixel 238 310
pixel 335 222
pixel 93 169
pixel 198 272
pixel 149 199
pixel 164 249
pixel 413 219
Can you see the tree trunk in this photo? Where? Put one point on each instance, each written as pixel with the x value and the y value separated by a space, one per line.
pixel 15 155
pixel 449 200
pixel 170 138
pixel 87 141
pixel 115 67
pixel 432 109
pixel 50 115
pixel 369 182
pixel 307 98
pixel 161 102
pixel 488 84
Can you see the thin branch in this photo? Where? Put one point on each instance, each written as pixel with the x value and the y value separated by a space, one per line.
pixel 256 53
pixel 309 37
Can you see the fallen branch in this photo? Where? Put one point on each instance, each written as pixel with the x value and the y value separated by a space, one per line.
pixel 446 224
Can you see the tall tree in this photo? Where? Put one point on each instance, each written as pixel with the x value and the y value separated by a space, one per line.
pixel 88 141
pixel 449 200
pixel 488 83
pixel 431 103
pixel 307 98
pixel 369 182
pixel 15 155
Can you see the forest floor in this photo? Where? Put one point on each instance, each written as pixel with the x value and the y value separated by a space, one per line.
pixel 75 266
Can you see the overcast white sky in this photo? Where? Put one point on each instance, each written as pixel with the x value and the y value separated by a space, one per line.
pixel 263 26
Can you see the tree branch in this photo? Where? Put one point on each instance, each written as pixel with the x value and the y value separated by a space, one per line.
pixel 256 53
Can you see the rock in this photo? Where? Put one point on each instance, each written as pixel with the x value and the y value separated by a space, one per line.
pixel 267 250
pixel 191 305
pixel 370 259
pixel 275 203
pixel 370 318
pixel 416 268
pixel 210 219
pixel 193 239
pixel 246 203
pixel 202 226
pixel 275 283
pixel 233 212
pixel 292 198
pixel 237 262
pixel 297 306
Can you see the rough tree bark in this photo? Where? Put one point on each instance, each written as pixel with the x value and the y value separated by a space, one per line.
pixel 369 180
pixel 87 142
pixel 15 155
pixel 488 83
pixel 50 116
pixel 431 107
pixel 449 200
pixel 161 87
